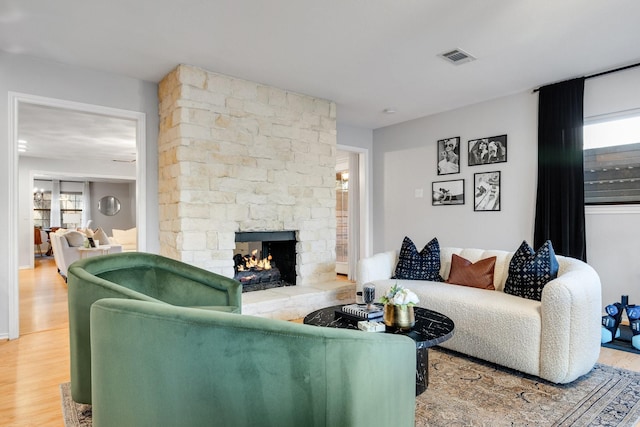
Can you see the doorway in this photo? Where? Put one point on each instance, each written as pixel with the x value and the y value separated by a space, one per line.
pixel 342 213
pixel 352 220
pixel 21 226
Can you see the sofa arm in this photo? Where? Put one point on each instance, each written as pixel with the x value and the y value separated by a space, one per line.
pixel 380 266
pixel 571 316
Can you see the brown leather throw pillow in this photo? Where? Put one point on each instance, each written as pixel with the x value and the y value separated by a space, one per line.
pixel 476 275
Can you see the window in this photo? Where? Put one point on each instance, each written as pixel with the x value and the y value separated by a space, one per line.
pixel 71 209
pixel 70 203
pixel 41 208
pixel 342 216
pixel 612 159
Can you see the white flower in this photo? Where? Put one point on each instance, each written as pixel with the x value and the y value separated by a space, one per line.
pixel 398 295
pixel 405 296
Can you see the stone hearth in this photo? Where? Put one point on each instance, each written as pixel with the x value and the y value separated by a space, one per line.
pixel 238 156
pixel 295 302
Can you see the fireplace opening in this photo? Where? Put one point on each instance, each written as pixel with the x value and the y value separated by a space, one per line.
pixel 265 259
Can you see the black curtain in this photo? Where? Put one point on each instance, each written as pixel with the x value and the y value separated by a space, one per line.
pixel 560 196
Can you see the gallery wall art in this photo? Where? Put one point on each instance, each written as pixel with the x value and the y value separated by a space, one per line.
pixel 486 191
pixel 447 192
pixel 484 151
pixel 449 156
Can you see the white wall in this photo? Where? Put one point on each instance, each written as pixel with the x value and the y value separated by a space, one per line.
pixel 33 76
pixel 612 93
pixel 613 232
pixel 123 220
pixel 405 160
pixel 353 136
pixel 613 249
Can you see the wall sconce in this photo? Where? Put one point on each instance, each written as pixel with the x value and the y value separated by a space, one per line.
pixel 344 180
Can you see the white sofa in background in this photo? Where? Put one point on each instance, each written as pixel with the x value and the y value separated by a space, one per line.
pixel 557 338
pixel 66 244
pixel 128 239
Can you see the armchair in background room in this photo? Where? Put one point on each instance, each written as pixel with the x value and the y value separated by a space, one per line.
pixel 139 276
pixel 66 248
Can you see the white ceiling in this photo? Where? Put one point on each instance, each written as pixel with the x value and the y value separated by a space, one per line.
pixel 366 55
pixel 57 133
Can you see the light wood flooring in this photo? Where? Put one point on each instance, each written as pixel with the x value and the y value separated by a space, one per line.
pixel 33 366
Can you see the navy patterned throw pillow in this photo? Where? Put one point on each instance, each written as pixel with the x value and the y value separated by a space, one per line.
pixel 423 265
pixel 529 271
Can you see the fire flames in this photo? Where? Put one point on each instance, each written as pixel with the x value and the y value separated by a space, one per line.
pixel 253 262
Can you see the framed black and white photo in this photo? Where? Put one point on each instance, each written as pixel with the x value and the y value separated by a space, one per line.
pixel 447 192
pixel 449 156
pixel 489 150
pixel 486 191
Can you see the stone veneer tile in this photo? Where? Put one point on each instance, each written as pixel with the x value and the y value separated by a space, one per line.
pixel 236 155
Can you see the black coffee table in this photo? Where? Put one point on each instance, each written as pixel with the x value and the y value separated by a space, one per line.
pixel 431 328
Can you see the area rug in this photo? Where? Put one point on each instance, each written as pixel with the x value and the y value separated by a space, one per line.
pixel 469 392
pixel 74 414
pixel 465 391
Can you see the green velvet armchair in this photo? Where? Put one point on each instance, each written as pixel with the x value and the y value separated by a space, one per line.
pixel 161 365
pixel 138 276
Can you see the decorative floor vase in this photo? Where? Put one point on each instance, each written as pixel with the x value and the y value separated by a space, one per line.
pixel 399 317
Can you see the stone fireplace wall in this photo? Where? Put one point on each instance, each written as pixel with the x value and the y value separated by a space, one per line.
pixel 235 155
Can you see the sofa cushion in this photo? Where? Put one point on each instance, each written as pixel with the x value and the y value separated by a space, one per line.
pixel 75 238
pixel 477 275
pixel 101 236
pixel 423 265
pixel 529 271
pixel 127 238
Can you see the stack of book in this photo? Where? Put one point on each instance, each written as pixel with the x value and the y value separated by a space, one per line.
pixel 371 326
pixel 361 312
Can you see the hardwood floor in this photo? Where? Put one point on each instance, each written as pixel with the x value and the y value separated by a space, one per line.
pixel 43 298
pixel 33 366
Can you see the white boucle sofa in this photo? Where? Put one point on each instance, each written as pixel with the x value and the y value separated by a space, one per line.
pixel 557 339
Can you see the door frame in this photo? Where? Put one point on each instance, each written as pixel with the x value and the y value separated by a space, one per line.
pixel 366 231
pixel 15 98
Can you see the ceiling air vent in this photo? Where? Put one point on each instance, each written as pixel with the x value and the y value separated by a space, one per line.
pixel 457 56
